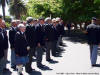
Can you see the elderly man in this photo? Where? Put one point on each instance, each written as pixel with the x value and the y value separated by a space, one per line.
pixel 21 48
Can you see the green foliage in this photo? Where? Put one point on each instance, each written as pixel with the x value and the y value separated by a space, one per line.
pixel 45 8
pixel 69 10
pixel 18 8
pixel 80 10
pixel 8 19
pixel 8 24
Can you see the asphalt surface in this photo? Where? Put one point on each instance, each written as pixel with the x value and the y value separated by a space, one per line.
pixel 74 59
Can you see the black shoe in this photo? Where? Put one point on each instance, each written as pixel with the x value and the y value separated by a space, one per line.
pixel 30 70
pixel 49 60
pixel 5 70
pixel 94 65
pixel 55 55
pixel 13 67
pixel 20 74
pixel 40 66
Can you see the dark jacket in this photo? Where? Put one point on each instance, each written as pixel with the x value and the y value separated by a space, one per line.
pixel 60 29
pixel 1 45
pixel 40 34
pixel 92 34
pixel 51 33
pixel 12 33
pixel 31 36
pixel 21 44
pixel 5 39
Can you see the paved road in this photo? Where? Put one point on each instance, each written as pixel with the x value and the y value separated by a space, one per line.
pixel 73 61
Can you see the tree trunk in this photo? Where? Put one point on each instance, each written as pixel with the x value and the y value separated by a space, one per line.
pixel 3 9
pixel 17 15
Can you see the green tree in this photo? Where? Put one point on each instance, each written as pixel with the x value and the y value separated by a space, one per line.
pixel 17 8
pixel 45 8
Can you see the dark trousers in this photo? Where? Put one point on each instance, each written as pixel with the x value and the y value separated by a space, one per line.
pixel 48 49
pixel 54 48
pixel 31 53
pixel 39 54
pixel 69 30
pixel 2 60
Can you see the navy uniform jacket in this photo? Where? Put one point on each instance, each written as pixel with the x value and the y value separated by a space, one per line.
pixel 93 36
pixel 1 44
pixel 40 35
pixel 60 29
pixel 51 33
pixel 5 39
pixel 31 35
pixel 21 44
pixel 12 33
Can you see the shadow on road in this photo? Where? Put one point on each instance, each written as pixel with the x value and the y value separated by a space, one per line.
pixel 53 62
pixel 76 36
pixel 45 68
pixel 36 73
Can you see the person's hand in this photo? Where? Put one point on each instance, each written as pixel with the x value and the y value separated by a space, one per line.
pixel 85 32
pixel 46 39
pixel 39 45
pixel 17 55
pixel 28 48
pixel 99 45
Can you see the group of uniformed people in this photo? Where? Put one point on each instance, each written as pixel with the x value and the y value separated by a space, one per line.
pixel 28 39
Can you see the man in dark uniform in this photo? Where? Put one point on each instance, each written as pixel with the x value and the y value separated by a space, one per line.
pixel 40 34
pixel 93 40
pixel 55 35
pixel 2 23
pixel 3 46
pixel 60 29
pixel 30 35
pixel 12 33
pixel 51 38
pixel 1 49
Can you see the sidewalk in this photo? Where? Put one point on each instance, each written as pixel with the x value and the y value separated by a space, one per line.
pixel 75 60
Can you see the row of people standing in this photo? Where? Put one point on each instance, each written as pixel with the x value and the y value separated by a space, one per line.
pixel 33 39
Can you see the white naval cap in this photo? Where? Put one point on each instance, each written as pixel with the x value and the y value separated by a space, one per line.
pixel 48 18
pixel 54 20
pixel 21 25
pixel 57 19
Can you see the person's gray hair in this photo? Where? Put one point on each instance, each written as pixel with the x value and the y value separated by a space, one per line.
pixel 21 25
